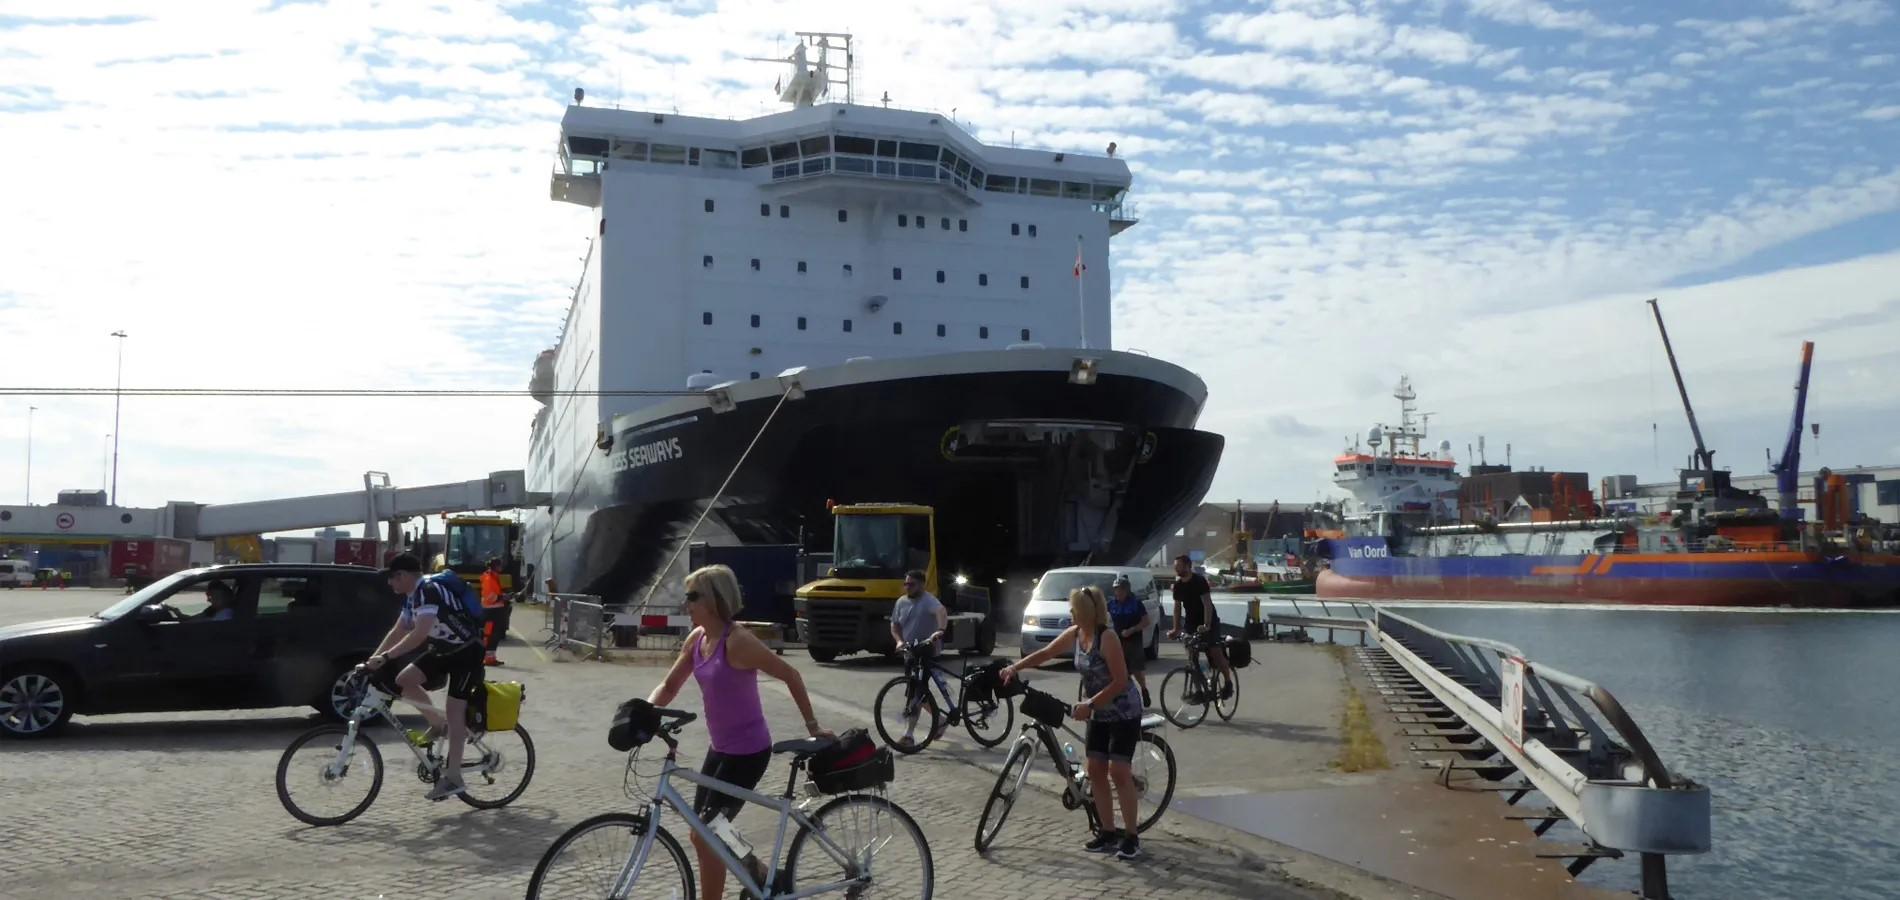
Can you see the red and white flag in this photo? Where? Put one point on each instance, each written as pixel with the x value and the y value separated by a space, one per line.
pixel 1079 267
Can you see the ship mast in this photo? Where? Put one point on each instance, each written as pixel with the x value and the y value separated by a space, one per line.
pixel 809 83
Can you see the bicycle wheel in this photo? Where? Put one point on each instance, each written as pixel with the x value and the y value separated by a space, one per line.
pixel 1154 772
pixel 1175 699
pixel 892 722
pixel 1231 704
pixel 318 786
pixel 868 842
pixel 496 767
pixel 595 860
pixel 988 721
pixel 1009 783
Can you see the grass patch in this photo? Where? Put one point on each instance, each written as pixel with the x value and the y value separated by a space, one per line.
pixel 1361 750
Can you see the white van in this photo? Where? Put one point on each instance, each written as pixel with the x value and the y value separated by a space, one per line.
pixel 1047 613
pixel 15 573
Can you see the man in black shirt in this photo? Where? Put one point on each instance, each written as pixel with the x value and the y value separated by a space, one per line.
pixel 1194 611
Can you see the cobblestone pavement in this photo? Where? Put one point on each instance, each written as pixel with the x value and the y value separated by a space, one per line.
pixel 184 805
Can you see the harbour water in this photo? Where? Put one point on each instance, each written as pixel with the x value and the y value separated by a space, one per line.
pixel 1786 715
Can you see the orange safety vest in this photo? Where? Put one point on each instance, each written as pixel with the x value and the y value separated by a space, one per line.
pixel 491 589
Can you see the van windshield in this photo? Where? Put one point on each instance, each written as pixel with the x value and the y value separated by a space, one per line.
pixel 1057 585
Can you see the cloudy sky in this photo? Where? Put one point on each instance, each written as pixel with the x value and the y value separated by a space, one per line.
pixel 1479 193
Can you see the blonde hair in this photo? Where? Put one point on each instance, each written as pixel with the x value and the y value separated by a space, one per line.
pixel 1091 599
pixel 718 584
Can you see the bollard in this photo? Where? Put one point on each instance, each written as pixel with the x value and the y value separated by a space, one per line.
pixel 1254 629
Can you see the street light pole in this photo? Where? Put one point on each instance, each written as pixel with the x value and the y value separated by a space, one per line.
pixel 29 454
pixel 117 381
pixel 105 452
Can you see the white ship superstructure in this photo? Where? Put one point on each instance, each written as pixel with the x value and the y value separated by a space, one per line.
pixel 887 241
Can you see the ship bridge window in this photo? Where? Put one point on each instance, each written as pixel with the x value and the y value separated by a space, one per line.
pixel 1045 187
pixel 670 154
pixel 821 164
pixel 1075 190
pixel 1107 192
pixel 753 157
pixel 887 149
pixel 851 164
pixel 634 150
pixel 721 159
pixel 785 151
pixel 1002 183
pixel 862 146
pixel 908 150
pixel 815 146
pixel 587 146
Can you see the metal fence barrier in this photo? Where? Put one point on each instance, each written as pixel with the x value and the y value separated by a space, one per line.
pixel 1567 736
pixel 578 621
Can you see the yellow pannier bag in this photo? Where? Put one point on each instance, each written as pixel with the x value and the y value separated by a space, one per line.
pixel 503 702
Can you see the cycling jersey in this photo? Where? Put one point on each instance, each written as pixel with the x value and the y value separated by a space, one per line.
pixel 454 626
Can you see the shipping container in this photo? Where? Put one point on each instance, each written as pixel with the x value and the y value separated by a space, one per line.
pixel 358 552
pixel 296 550
pixel 145 560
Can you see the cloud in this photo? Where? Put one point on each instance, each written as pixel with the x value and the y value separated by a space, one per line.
pixel 1881 113
pixel 1543 16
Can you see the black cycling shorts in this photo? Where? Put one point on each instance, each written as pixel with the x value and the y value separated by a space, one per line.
pixel 1113 740
pixel 738 770
pixel 460 666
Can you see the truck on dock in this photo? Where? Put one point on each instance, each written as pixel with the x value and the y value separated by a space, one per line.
pixel 874 544
pixel 142 561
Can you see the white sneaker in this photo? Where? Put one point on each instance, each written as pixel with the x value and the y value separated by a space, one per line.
pixel 446 788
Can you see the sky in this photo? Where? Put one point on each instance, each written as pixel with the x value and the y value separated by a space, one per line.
pixel 1480 194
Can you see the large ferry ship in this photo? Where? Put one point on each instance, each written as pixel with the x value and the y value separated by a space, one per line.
pixel 846 303
pixel 1417 529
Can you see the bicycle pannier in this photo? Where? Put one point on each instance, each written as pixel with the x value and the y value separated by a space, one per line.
pixel 497 707
pixel 1047 709
pixel 635 723
pixel 1239 651
pixel 981 684
pixel 854 763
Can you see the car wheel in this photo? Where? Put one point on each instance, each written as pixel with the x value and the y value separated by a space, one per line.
pixel 823 654
pixel 34 702
pixel 338 700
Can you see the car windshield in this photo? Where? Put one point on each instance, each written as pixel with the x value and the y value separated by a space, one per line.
pixel 1057 585
pixel 474 544
pixel 151 593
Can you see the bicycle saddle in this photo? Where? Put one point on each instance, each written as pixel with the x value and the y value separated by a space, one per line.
pixel 802 746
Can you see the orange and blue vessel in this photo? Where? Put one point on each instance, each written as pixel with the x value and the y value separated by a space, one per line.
pixel 1416 529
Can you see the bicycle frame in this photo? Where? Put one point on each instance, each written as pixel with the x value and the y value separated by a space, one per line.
pixel 1047 735
pixel 381 708
pixel 789 813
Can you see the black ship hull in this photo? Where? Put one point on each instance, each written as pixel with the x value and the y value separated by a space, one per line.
pixel 1028 466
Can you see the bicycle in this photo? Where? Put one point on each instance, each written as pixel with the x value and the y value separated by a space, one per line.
pixel 976 710
pixel 852 835
pixel 487 759
pixel 1195 686
pixel 1152 765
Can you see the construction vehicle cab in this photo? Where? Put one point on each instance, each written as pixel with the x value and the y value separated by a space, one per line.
pixel 471 541
pixel 873 545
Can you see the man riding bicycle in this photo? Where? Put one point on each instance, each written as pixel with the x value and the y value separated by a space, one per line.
pixel 434 620
pixel 1194 611
pixel 919 616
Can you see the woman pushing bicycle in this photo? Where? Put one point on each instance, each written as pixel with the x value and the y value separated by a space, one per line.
pixel 1112 708
pixel 726 661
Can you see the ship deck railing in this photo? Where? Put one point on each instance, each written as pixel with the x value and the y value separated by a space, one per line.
pixel 1519 727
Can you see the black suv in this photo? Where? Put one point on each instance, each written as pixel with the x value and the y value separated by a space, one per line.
pixel 225 637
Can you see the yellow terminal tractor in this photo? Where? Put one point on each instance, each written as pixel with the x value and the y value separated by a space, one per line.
pixel 873 545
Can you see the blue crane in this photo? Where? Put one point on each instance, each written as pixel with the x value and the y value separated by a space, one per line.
pixel 1788 470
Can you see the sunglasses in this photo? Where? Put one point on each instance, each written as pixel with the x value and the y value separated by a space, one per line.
pixel 692 596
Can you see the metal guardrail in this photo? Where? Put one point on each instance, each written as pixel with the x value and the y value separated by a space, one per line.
pixel 1568 736
pixel 578 621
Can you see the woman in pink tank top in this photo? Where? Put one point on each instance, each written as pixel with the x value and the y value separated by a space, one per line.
pixel 726 661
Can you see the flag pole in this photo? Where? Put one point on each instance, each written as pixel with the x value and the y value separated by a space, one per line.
pixel 1081 307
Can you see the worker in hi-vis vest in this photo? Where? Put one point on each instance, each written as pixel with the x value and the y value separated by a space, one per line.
pixel 494 612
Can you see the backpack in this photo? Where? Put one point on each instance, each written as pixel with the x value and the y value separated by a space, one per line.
pixel 459 589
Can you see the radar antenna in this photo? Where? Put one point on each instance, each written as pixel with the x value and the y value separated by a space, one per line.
pixel 809 83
